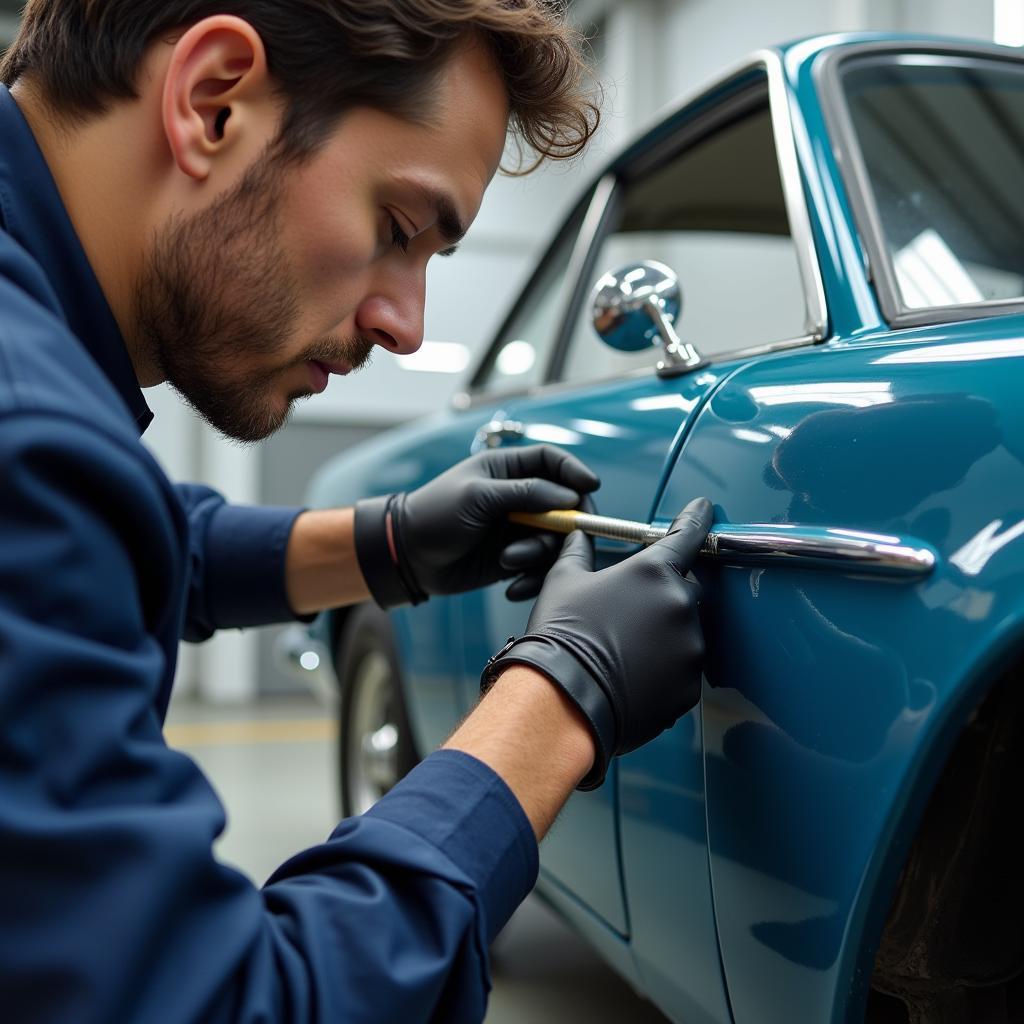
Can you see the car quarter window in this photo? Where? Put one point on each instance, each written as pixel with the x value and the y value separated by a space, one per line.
pixel 520 355
pixel 942 141
pixel 715 214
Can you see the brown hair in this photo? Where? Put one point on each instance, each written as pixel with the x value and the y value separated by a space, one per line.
pixel 325 56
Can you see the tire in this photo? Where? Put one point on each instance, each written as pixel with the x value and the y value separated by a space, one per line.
pixel 375 744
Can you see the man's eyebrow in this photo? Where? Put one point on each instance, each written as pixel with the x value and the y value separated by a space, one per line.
pixel 449 224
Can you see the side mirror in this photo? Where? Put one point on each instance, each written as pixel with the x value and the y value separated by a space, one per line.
pixel 636 307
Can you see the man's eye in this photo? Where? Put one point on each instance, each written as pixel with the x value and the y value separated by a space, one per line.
pixel 398 237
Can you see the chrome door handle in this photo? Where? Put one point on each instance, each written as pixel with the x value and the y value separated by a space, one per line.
pixel 802 547
pixel 497 432
pixel 820 547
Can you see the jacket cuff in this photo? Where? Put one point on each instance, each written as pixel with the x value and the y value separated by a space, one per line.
pixel 464 808
pixel 246 548
pixel 551 659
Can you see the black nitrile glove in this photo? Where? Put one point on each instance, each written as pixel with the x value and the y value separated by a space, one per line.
pixel 451 534
pixel 625 643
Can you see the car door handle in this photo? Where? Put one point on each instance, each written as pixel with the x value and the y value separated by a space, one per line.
pixel 820 547
pixel 497 432
pixel 801 547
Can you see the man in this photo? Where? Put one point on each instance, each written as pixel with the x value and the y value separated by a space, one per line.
pixel 240 198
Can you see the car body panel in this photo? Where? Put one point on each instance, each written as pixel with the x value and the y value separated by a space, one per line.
pixel 663 829
pixel 822 686
pixel 627 432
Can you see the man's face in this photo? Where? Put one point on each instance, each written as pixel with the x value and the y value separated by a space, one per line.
pixel 300 270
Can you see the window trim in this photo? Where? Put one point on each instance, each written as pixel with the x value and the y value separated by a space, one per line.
pixel 596 201
pixel 828 74
pixel 757 80
pixel 748 98
pixel 747 78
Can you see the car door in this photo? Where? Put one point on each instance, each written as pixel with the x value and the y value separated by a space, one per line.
pixel 704 195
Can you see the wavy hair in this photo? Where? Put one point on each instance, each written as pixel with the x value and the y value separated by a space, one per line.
pixel 325 56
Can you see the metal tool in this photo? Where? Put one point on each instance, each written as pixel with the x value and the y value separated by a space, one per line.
pixel 567 520
pixel 801 547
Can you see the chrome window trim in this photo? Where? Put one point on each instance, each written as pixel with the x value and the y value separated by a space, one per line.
pixel 846 150
pixel 747 93
pixel 601 206
pixel 816 307
pixel 601 195
pixel 484 364
pixel 770 64
pixel 781 102
pixel 597 210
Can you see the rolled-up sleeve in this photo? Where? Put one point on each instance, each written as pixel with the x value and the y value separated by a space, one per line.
pixel 114 906
pixel 237 563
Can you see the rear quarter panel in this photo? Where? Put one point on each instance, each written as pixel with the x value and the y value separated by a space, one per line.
pixel 831 701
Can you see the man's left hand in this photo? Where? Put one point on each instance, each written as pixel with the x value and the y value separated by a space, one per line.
pixel 453 534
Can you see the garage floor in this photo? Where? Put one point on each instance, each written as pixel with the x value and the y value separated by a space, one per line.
pixel 273 766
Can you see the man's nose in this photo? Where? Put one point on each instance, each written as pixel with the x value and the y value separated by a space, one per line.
pixel 393 323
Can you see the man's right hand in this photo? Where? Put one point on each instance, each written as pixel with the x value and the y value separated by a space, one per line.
pixel 625 644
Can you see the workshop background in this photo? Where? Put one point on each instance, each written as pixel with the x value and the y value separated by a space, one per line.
pixel 267 744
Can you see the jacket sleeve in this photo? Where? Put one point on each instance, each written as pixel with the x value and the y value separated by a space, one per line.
pixel 113 906
pixel 237 563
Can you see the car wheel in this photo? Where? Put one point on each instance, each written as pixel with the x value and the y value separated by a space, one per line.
pixel 375 745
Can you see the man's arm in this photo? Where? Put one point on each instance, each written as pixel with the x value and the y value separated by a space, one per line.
pixel 534 737
pixel 450 535
pixel 321 567
pixel 115 906
pixel 252 566
pixel 525 729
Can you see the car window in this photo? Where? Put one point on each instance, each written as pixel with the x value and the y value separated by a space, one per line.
pixel 716 215
pixel 944 151
pixel 520 355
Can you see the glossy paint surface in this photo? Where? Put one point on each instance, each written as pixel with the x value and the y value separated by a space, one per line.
pixel 826 691
pixel 626 432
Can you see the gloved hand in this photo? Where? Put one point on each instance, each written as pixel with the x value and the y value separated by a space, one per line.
pixel 451 534
pixel 625 643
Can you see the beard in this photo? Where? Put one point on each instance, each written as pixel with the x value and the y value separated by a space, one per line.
pixel 217 294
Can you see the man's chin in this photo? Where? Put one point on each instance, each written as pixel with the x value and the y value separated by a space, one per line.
pixel 245 416
pixel 246 425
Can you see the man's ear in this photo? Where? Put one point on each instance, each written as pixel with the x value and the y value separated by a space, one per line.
pixel 216 86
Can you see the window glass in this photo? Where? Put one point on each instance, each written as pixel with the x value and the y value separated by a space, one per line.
pixel 520 355
pixel 944 150
pixel 715 214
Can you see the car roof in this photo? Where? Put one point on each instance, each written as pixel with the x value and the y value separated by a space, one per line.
pixel 795 56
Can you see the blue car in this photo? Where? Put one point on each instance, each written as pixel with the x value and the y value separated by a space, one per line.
pixel 809 307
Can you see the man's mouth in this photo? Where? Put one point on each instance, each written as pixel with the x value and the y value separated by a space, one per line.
pixel 320 373
pixel 340 368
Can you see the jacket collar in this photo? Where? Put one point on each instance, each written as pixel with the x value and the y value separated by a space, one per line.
pixel 33 214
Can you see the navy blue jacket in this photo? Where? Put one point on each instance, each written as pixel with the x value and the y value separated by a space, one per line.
pixel 112 906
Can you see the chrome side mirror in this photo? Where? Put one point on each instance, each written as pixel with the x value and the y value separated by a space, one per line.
pixel 636 307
